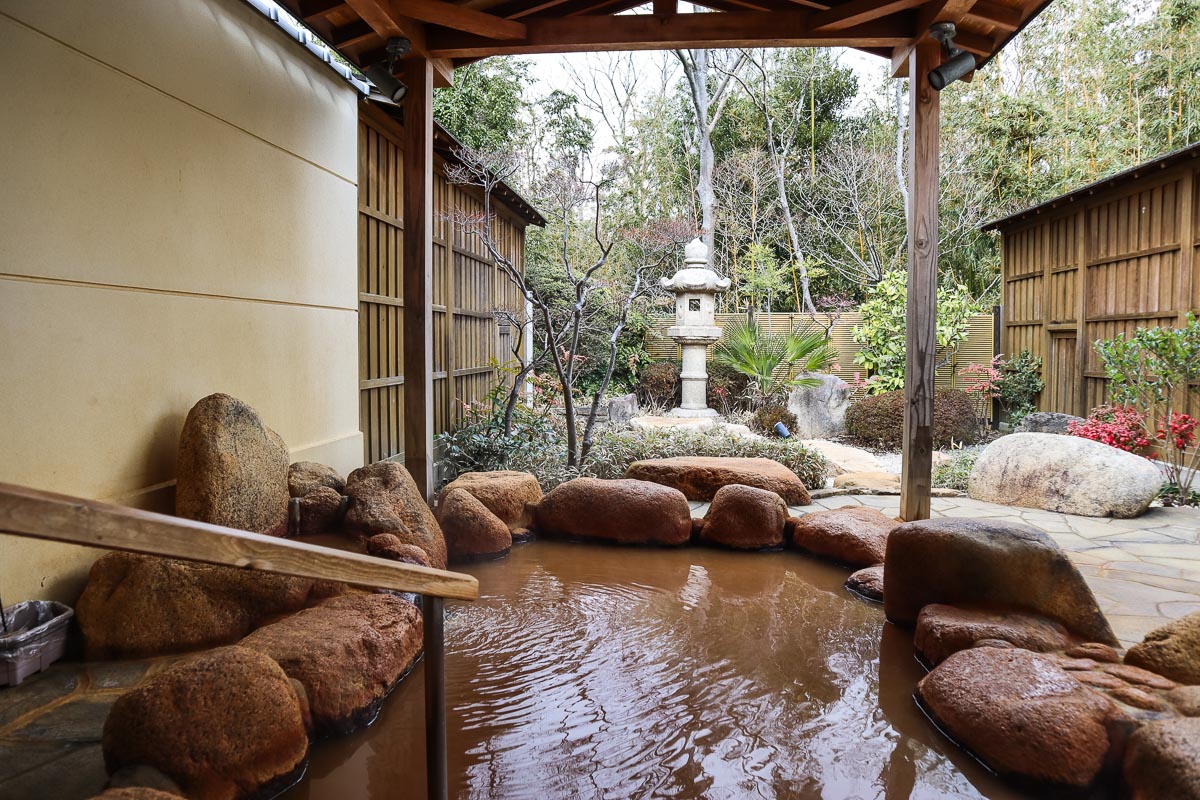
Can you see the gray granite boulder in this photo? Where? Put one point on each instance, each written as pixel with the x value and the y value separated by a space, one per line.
pixel 820 410
pixel 1066 474
pixel 1046 422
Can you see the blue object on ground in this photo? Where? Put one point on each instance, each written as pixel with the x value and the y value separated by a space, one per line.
pixel 782 430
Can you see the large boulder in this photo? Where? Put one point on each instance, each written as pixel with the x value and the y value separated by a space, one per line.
pixel 319 490
pixel 1046 422
pixel 944 630
pixel 508 494
pixel 470 529
pixel 699 477
pixel 1021 714
pixel 224 725
pixel 854 535
pixel 308 476
pixel 623 511
pixel 744 518
pixel 136 606
pixel 232 469
pixel 348 653
pixel 1162 761
pixel 384 499
pixel 1066 474
pixel 820 410
pixel 1172 650
pixel 1001 566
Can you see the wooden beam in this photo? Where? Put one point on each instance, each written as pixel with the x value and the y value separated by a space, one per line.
pixel 462 19
pixel 940 11
pixel 44 515
pixel 417 74
pixel 857 12
pixel 650 32
pixel 1006 18
pixel 664 8
pixel 383 18
pixel 921 322
pixel 352 35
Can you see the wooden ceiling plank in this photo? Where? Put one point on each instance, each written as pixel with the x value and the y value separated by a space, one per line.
pixel 467 20
pixel 352 35
pixel 856 12
pixel 649 32
pixel 1004 17
pixel 312 12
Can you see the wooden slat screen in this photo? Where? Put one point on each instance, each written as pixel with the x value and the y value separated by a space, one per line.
pixel 467 288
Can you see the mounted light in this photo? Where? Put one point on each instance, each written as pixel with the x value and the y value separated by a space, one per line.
pixel 957 65
pixel 382 73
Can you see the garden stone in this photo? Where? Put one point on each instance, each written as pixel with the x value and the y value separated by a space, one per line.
pixel 320 491
pixel 944 630
pixel 136 606
pixel 1162 760
pixel 843 458
pixel 231 470
pixel 871 481
pixel 700 477
pixel 1186 700
pixel 225 725
pixel 347 653
pixel 470 529
pixel 623 511
pixel 854 535
pixel 385 499
pixel 386 545
pixel 1067 474
pixel 744 518
pixel 1021 714
pixel 136 793
pixel 991 564
pixel 820 410
pixel 308 476
pixel 506 493
pixel 1046 422
pixel 867 582
pixel 1172 651
pixel 622 409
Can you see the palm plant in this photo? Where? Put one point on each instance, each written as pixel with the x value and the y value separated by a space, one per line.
pixel 760 355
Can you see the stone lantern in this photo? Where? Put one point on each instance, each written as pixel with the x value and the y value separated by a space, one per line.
pixel 695 288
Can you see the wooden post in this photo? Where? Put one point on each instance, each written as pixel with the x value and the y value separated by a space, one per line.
pixel 921 333
pixel 417 75
pixel 436 772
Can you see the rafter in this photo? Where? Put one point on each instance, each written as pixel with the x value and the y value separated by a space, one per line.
pixel 462 19
pixel 1004 17
pixel 856 12
pixel 649 32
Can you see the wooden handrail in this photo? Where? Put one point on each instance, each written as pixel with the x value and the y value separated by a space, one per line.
pixel 62 518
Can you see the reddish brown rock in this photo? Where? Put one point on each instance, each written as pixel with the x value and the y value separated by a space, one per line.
pixel 1162 761
pixel 231 469
pixel 1021 715
pixel 1137 675
pixel 386 545
pixel 470 529
pixel 347 652
pixel 321 511
pixel 1138 698
pixel 305 477
pixel 135 793
pixel 135 606
pixel 943 630
pixel 744 518
pixel 854 535
pixel 224 725
pixel 509 495
pixel 385 499
pixel 1172 650
pixel 699 477
pixel 1186 700
pixel 623 511
pixel 1094 651
pixel 867 582
pixel 988 564
pixel 1100 680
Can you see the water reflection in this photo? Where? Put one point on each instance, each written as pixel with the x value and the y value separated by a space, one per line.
pixel 610 672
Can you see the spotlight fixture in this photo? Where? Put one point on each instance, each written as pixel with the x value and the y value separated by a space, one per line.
pixel 382 72
pixel 957 65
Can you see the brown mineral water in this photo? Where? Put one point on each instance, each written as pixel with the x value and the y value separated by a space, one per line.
pixel 602 672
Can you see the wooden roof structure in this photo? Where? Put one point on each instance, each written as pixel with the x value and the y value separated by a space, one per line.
pixel 454 32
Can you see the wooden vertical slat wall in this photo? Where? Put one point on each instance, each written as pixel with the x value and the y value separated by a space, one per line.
pixel 1118 259
pixel 467 289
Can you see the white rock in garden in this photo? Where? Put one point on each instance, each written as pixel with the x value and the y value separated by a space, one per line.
pixel 1066 474
pixel 843 458
pixel 820 410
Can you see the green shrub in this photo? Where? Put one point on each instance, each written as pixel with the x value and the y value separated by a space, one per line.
pixel 955 472
pixel 537 444
pixel 766 417
pixel 879 419
pixel 1020 385
pixel 616 449
pixel 727 388
pixel 658 384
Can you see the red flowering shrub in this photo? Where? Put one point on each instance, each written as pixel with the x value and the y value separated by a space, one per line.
pixel 1122 427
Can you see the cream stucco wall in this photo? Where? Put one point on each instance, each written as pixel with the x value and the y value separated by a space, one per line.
pixel 177 217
